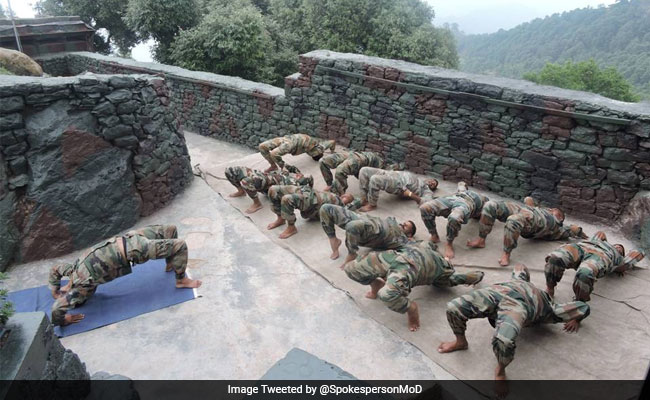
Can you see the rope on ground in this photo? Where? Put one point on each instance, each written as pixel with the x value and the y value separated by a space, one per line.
pixel 197 171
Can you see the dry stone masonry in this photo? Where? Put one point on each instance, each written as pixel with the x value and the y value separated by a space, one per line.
pixel 585 153
pixel 83 158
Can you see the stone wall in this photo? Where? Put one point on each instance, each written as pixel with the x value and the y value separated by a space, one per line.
pixel 223 107
pixel 83 158
pixel 35 365
pixel 583 152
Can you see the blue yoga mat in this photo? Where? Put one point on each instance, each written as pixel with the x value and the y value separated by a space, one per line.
pixel 147 288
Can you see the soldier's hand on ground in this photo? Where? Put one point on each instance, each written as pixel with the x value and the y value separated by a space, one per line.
pixel 72 319
pixel 572 326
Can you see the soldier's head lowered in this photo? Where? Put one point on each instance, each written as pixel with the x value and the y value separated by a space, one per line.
pixel 559 214
pixel 347 198
pixel 432 183
pixel 408 227
pixel 619 247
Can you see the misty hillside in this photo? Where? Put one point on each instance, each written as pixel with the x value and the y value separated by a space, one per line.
pixel 618 35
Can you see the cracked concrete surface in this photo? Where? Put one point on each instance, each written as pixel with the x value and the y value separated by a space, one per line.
pixel 258 301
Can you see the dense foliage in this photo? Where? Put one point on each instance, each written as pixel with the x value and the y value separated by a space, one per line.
pixel 586 76
pixel 6 307
pixel 617 36
pixel 261 39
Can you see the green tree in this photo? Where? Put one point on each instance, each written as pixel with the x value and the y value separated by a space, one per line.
pixel 617 35
pixel 399 29
pixel 6 307
pixel 162 20
pixel 104 14
pixel 231 39
pixel 585 76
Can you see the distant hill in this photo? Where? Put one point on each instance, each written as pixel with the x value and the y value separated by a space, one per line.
pixel 618 35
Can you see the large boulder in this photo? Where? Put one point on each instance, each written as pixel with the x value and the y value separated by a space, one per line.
pixel 81 188
pixel 19 63
pixel 635 220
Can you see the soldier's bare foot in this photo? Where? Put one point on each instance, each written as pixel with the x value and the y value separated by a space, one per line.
pixel 239 193
pixel 477 243
pixel 367 207
pixel 276 223
pixel 271 168
pixel 188 283
pixel 459 344
pixel 335 243
pixel 290 231
pixel 414 317
pixel 257 205
pixel 504 260
pixel 500 373
pixel 375 287
pixel 449 251
pixel 434 238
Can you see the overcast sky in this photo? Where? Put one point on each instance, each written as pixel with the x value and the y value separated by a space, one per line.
pixel 472 16
pixel 487 16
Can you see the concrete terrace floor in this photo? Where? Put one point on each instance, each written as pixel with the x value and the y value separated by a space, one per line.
pixel 258 302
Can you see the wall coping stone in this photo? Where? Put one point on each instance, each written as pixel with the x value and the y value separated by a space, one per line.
pixel 10 81
pixel 228 81
pixel 523 86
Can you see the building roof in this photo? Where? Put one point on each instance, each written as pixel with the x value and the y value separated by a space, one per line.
pixel 50 26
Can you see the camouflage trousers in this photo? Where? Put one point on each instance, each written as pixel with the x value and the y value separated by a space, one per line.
pixel 150 243
pixel 285 199
pixel 507 315
pixel 360 230
pixel 457 212
pixel 374 180
pixel 156 242
pixel 328 163
pixel 400 278
pixel 288 148
pixel 236 174
pixel 351 166
pixel 268 145
pixel 504 211
pixel 589 267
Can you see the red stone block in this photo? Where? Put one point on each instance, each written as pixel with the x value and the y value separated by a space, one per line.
pixel 494 149
pixel 556 131
pixel 560 122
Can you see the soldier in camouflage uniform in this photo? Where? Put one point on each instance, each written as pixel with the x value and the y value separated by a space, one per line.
pixel 250 181
pixel 272 150
pixel 527 221
pixel 401 183
pixel 457 208
pixel 415 264
pixel 111 259
pixel 509 307
pixel 285 199
pixel 346 165
pixel 362 230
pixel 592 259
